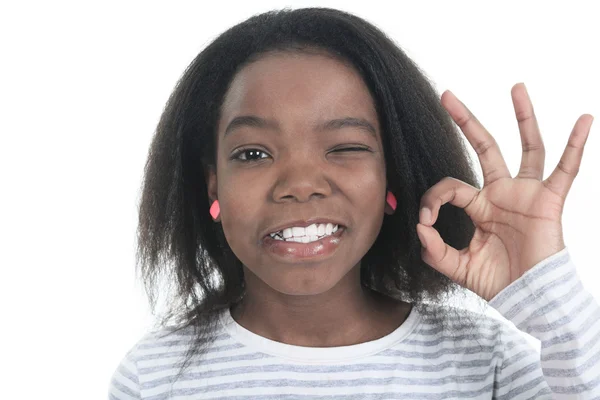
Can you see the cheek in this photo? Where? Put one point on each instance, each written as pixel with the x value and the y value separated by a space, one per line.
pixel 240 201
pixel 366 185
pixel 366 189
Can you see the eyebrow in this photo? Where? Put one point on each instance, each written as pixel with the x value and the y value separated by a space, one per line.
pixel 258 122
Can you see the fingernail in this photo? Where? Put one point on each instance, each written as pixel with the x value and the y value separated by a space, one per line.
pixel 426 215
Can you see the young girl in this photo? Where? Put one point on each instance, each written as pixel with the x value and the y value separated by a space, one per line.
pixel 293 199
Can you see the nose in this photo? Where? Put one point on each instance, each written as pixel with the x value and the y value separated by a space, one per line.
pixel 300 179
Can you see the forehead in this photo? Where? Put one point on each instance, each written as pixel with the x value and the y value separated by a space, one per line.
pixel 308 87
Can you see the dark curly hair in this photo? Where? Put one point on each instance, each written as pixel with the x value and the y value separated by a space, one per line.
pixel 177 239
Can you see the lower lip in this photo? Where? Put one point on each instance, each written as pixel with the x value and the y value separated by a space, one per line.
pixel 304 251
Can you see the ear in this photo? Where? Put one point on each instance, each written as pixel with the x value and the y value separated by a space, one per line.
pixel 211 185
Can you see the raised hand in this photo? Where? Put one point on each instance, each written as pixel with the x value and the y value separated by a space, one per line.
pixel 518 220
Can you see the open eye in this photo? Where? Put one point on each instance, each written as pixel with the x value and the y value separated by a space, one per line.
pixel 249 155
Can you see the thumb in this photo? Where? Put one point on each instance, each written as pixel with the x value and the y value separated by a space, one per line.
pixel 440 256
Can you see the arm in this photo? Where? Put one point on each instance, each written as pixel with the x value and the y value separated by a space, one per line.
pixel 550 303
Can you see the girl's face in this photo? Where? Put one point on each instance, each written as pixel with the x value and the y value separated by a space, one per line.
pixel 285 159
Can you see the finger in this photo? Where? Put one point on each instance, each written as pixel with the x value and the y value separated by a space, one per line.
pixel 568 167
pixel 448 190
pixel 532 160
pixel 492 163
pixel 440 256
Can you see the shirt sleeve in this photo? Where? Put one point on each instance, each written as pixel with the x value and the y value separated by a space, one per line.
pixel 550 303
pixel 125 384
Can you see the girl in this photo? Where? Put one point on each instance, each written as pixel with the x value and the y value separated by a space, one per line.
pixel 293 199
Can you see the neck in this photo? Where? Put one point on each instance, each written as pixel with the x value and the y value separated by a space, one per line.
pixel 345 315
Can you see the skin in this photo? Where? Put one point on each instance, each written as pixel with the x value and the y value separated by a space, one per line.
pixel 518 220
pixel 302 173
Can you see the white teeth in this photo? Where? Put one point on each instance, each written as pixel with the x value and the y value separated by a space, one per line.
pixel 311 230
pixel 321 229
pixel 309 234
pixel 297 231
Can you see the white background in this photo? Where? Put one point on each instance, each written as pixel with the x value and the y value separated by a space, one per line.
pixel 82 86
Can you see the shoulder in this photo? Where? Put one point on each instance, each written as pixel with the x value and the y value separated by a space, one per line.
pixel 451 319
pixel 160 343
pixel 157 352
pixel 174 341
pixel 459 327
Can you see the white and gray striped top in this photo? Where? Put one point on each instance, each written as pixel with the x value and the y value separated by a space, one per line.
pixel 419 360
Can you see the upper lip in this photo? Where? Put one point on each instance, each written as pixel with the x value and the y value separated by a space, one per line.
pixel 303 224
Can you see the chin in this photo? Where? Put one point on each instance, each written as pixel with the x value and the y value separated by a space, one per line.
pixel 306 283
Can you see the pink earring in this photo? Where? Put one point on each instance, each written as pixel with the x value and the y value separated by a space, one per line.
pixel 391 200
pixel 215 209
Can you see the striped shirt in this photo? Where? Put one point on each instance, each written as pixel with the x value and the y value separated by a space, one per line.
pixel 488 358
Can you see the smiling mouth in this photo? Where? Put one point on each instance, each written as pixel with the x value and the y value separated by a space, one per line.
pixel 308 250
pixel 309 234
